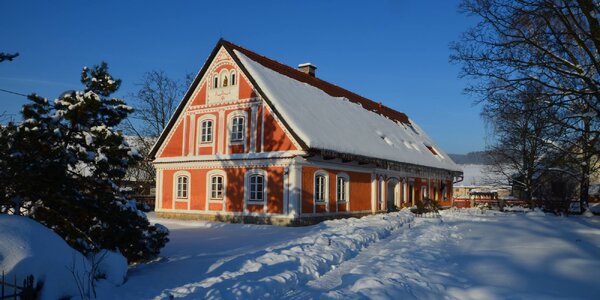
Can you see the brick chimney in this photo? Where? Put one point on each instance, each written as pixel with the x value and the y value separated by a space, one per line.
pixel 308 68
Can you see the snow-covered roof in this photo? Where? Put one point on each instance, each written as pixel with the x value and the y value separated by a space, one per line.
pixel 475 175
pixel 337 124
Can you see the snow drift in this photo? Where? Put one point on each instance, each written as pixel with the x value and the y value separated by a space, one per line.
pixel 29 248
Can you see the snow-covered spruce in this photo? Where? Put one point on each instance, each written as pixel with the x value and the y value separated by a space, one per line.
pixel 62 165
pixel 274 271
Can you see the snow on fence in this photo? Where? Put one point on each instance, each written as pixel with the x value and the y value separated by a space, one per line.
pixel 24 292
pixel 270 273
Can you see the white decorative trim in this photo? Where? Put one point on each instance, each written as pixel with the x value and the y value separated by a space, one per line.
pixel 253 130
pixel 296 187
pixel 373 193
pixel 247 189
pixel 226 105
pixel 192 149
pixel 183 142
pixel 208 196
pixel 225 213
pixel 235 156
pixel 325 174
pixel 286 189
pixel 222 129
pixel 262 126
pixel 382 193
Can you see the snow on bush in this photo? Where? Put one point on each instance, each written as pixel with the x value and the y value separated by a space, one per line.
pixel 112 266
pixel 29 248
pixel 272 272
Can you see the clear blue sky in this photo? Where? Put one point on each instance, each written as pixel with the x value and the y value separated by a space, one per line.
pixel 395 52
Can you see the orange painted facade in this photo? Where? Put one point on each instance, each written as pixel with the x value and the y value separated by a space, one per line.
pixel 202 145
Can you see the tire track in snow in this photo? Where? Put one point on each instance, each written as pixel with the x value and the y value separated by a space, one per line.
pixel 270 273
pixel 408 264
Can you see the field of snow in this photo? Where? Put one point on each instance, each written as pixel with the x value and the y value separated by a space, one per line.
pixel 466 254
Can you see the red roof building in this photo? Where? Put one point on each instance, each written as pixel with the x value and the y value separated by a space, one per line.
pixel 254 140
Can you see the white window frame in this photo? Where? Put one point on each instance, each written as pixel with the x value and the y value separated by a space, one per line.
pixel 176 198
pixel 247 188
pixel 325 188
pixel 199 143
pixel 209 135
pixel 346 191
pixel 209 199
pixel 230 117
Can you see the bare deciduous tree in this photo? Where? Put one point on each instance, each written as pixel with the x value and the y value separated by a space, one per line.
pixel 156 101
pixel 554 44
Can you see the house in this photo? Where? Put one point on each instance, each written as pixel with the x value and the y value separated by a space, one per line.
pixel 254 140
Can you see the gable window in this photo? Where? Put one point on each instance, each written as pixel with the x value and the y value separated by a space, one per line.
pixel 320 187
pixel 257 186
pixel 182 186
pixel 216 187
pixel 233 79
pixel 237 129
pixel 207 131
pixel 216 81
pixel 342 188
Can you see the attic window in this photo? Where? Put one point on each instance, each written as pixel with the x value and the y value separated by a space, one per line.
pixel 232 78
pixel 216 81
pixel 432 150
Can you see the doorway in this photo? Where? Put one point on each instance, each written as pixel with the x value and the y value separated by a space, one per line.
pixel 393 195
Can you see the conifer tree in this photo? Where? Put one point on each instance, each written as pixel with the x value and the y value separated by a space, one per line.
pixel 62 166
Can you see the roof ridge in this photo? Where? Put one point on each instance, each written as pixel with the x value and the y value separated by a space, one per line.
pixel 327 87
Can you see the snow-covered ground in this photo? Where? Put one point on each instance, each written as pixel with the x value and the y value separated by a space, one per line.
pixel 463 255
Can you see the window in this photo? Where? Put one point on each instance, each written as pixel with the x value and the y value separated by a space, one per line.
pixel 237 129
pixel 216 81
pixel 342 188
pixel 182 187
pixel 233 79
pixel 257 187
pixel 216 187
pixel 207 131
pixel 320 188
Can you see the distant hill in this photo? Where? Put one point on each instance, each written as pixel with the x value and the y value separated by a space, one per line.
pixel 473 158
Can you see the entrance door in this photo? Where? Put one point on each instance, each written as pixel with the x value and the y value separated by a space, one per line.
pixel 393 195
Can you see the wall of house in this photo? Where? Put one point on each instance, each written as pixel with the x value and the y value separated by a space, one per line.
pixel 359 196
pixel 264 132
pixel 198 199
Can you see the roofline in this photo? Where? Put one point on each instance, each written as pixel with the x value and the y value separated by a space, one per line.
pixel 184 100
pixel 265 98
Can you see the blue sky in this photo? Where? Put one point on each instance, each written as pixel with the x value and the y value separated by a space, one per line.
pixel 395 52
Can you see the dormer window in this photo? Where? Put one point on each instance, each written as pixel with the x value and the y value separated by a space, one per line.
pixel 233 79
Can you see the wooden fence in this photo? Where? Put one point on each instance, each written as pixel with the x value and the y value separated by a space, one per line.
pixel 11 290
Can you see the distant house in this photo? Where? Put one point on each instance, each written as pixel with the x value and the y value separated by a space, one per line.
pixel 256 140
